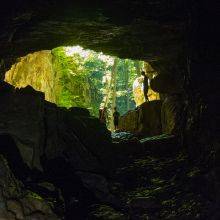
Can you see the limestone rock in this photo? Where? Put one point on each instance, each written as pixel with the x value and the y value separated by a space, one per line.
pixel 99 185
pixel 45 134
pixel 37 71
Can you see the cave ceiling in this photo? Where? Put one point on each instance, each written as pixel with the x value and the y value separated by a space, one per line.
pixel 147 30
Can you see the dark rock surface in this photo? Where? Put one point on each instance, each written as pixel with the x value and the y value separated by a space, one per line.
pixel 144 120
pixel 67 148
pixel 156 117
pixel 22 117
pixel 167 84
pixel 173 112
pixel 16 202
pixel 109 26
pixel 40 128
pixel 159 188
pixel 80 177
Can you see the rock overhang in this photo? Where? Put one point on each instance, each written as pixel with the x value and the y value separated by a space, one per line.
pixel 144 30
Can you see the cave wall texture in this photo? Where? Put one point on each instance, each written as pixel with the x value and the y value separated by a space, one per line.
pixel 178 38
pixel 36 70
pixel 128 29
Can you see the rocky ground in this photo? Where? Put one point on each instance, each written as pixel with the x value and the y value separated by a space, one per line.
pixel 158 188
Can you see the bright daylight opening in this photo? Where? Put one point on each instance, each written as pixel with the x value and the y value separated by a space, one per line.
pixel 75 77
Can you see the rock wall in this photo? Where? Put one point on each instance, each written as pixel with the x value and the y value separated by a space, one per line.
pixel 36 70
pixel 41 128
pixel 167 116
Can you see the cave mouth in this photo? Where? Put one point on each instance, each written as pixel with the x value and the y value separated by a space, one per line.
pixel 76 77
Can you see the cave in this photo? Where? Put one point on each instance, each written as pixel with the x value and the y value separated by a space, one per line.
pixel 58 161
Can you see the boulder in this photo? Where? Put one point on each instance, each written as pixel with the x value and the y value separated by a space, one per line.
pixel 41 129
pixel 149 121
pixel 144 120
pixel 79 138
pixel 129 121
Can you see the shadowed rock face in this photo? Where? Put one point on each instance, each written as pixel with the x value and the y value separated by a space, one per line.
pixel 17 202
pixel 144 30
pixel 68 148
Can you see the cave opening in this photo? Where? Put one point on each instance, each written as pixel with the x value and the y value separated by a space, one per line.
pixel 77 77
pixel 64 163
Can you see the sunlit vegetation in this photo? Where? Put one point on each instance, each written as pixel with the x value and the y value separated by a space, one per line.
pixel 75 77
pixel 107 81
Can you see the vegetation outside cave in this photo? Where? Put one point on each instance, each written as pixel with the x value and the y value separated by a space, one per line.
pixel 75 77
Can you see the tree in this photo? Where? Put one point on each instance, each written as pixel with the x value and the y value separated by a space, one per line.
pixel 114 86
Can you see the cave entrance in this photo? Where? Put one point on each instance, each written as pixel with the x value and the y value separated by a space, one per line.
pixel 77 77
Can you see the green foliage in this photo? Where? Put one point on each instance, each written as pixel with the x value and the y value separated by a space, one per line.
pixel 127 73
pixel 80 79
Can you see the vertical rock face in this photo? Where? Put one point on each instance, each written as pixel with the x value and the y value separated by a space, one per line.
pixel 35 69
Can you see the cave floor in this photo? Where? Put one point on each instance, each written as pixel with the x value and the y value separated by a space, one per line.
pixel 157 188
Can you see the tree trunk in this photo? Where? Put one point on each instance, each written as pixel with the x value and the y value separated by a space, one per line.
pixel 138 67
pixel 126 85
pixel 114 86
